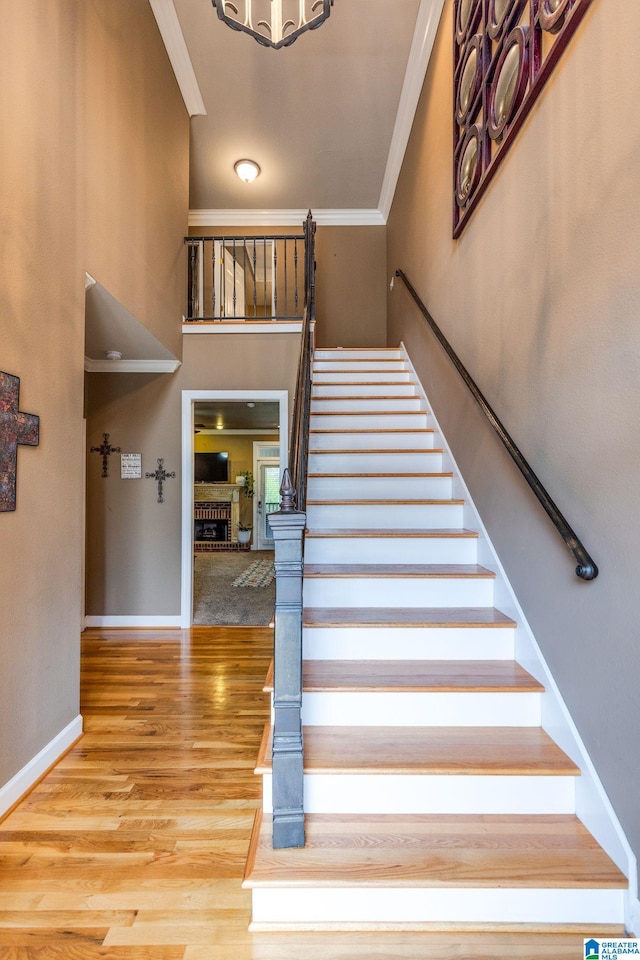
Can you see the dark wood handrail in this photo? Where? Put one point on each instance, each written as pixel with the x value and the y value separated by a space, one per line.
pixel 302 402
pixel 586 569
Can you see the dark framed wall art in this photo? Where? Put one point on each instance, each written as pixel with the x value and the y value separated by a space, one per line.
pixel 504 52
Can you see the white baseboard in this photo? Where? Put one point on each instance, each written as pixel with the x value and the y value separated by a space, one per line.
pixel 632 917
pixel 25 779
pixel 133 622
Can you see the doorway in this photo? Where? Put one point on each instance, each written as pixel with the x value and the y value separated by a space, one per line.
pixel 267 473
pixel 190 398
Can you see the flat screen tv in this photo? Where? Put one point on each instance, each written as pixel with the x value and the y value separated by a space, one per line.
pixel 211 467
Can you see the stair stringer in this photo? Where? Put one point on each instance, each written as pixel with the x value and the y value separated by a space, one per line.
pixel 593 806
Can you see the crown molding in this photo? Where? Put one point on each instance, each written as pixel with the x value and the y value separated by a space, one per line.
pixel 424 36
pixel 285 218
pixel 131 366
pixel 173 38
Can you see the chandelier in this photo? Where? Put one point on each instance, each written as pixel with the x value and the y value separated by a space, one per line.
pixel 273 23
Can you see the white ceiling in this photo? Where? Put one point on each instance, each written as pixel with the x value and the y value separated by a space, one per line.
pixel 212 416
pixel 327 119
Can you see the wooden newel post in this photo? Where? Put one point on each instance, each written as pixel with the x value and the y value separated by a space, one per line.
pixel 288 526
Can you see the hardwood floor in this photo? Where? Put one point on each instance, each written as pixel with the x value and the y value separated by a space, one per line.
pixel 134 845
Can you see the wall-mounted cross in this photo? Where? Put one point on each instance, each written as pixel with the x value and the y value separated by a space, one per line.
pixel 15 428
pixel 160 475
pixel 105 450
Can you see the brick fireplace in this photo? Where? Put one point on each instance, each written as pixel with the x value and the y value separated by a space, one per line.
pixel 216 512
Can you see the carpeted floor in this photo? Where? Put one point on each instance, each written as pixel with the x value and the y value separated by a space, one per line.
pixel 217 601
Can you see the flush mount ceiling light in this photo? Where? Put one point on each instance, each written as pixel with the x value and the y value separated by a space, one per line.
pixel 247 170
pixel 273 23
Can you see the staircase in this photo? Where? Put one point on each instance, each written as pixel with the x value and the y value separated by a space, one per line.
pixel 432 794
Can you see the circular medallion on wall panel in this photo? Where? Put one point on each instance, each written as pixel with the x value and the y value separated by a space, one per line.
pixel 551 14
pixel 509 82
pixel 498 12
pixel 469 166
pixel 470 78
pixel 464 17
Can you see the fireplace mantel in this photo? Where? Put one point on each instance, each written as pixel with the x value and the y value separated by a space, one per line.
pixel 217 492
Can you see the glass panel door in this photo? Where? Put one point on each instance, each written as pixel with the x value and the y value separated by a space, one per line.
pixel 268 496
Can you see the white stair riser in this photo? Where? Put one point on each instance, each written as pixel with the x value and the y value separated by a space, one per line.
pixel 375 462
pixel 320 390
pixel 425 794
pixel 357 366
pixel 408 643
pixel 384 709
pixel 365 353
pixel 338 439
pixel 390 549
pixel 406 592
pixel 379 488
pixel 368 421
pixel 368 404
pixel 388 516
pixel 361 376
pixel 379 904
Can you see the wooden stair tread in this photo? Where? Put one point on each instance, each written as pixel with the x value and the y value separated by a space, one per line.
pixel 372 617
pixel 445 676
pixel 442 675
pixel 382 451
pixel 429 851
pixel 404 570
pixel 429 751
pixel 372 474
pixel 368 413
pixel 348 360
pixel 369 430
pixel 375 532
pixel 376 500
pixel 368 396
pixel 363 383
pixel 339 350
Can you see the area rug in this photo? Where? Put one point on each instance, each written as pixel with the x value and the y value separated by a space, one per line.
pixel 259 574
pixel 216 599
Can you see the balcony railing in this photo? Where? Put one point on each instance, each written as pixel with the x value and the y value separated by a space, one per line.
pixel 245 278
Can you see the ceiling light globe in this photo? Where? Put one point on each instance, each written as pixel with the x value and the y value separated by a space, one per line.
pixel 247 170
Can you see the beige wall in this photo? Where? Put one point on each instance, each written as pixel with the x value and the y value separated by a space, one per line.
pixel 134 556
pixel 350 281
pixel 350 286
pixel 137 166
pixel 541 298
pixel 41 341
pixel 68 205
